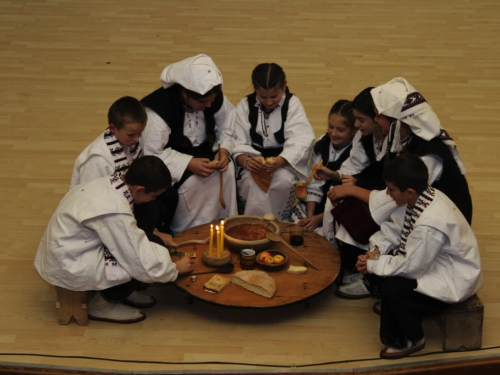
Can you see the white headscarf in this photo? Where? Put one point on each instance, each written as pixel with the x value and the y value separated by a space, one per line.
pixel 198 73
pixel 399 99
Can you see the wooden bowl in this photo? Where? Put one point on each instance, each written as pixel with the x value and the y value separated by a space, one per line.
pixel 272 266
pixel 257 245
pixel 213 261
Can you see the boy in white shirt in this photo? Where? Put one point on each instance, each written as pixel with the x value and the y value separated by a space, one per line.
pixel 92 242
pixel 430 261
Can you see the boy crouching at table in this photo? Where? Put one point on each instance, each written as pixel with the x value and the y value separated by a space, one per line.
pixel 423 267
pixel 92 242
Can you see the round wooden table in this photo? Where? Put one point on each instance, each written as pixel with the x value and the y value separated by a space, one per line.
pixel 290 288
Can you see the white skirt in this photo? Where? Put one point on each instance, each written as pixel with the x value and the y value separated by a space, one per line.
pixel 278 200
pixel 199 200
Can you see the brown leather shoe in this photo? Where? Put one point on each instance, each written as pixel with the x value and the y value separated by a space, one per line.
pixel 402 353
pixel 377 307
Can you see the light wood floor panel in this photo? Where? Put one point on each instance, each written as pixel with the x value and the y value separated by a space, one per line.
pixel 62 64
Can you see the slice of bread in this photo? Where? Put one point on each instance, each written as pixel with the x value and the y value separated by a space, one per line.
pixel 297 270
pixel 258 282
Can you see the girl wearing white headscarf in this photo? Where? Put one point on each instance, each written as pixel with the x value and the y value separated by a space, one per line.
pixel 413 127
pixel 190 128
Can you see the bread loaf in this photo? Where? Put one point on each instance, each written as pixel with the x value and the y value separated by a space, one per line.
pixel 297 270
pixel 258 282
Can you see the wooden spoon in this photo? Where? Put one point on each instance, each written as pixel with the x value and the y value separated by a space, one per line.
pixel 221 190
pixel 277 238
pixel 194 242
pixel 301 191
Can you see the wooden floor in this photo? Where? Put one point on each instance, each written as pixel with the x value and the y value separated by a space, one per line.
pixel 63 62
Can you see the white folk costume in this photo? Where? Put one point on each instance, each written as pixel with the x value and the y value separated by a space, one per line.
pixel 358 157
pixel 176 133
pixel 429 259
pixel 91 218
pixel 273 135
pixel 316 190
pixel 103 157
pixel 436 246
pixel 399 100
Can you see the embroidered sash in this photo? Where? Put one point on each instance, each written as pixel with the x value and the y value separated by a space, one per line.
pixel 120 153
pixel 113 269
pixel 412 215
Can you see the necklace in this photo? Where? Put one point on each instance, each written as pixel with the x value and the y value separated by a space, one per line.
pixel 264 117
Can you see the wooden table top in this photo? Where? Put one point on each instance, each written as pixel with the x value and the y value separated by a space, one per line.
pixel 290 288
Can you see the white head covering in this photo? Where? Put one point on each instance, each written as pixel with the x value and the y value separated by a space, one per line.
pixel 198 73
pixel 399 99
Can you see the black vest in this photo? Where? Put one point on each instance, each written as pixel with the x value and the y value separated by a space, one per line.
pixel 367 143
pixel 371 177
pixel 253 116
pixel 452 182
pixel 323 146
pixel 169 105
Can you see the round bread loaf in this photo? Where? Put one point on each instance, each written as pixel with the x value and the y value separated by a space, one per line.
pixel 258 282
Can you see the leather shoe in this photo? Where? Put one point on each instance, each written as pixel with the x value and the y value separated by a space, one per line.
pixel 377 307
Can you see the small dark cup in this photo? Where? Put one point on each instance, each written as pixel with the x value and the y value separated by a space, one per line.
pixel 247 259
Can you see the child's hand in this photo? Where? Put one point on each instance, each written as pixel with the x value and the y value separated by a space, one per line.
pixel 348 180
pixel 324 173
pixel 272 164
pixel 167 239
pixel 201 167
pixel 311 223
pixel 184 265
pixel 361 264
pixel 338 192
pixel 254 164
pixel 221 160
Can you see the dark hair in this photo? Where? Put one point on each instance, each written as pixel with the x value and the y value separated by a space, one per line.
pixel 407 171
pixel 194 95
pixel 268 76
pixel 149 171
pixel 343 108
pixel 126 110
pixel 363 102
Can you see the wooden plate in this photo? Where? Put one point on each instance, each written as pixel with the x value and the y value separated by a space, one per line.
pixel 272 266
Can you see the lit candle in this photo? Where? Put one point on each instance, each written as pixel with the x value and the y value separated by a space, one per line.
pixel 222 236
pixel 218 240
pixel 211 242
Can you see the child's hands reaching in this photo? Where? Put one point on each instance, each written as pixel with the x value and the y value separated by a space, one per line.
pixel 312 222
pixel 166 238
pixel 184 265
pixel 324 173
